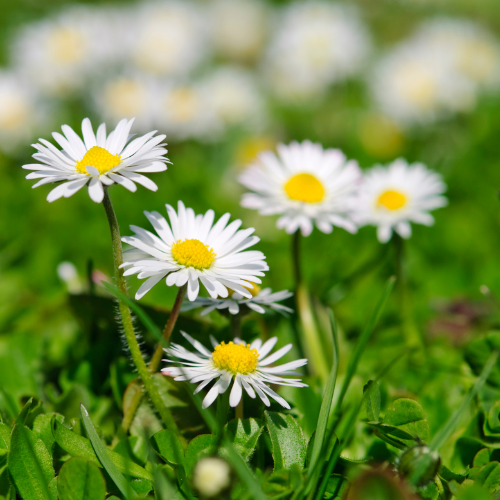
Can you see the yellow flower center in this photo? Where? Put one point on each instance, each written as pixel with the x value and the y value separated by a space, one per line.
pixel 254 291
pixel 235 358
pixel 66 46
pixel 193 253
pixel 306 188
pixel 392 200
pixel 99 158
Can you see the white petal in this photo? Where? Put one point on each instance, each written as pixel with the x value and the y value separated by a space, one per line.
pixel 96 191
pixel 236 392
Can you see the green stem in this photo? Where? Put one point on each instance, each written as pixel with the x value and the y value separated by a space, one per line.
pixel 235 325
pixel 167 331
pixel 238 412
pixel 222 410
pixel 413 336
pixel 126 317
pixel 297 271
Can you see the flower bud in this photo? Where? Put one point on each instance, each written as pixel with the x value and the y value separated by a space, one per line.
pixel 420 458
pixel 211 476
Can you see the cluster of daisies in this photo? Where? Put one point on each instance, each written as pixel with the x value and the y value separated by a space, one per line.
pixel 303 183
pixel 198 69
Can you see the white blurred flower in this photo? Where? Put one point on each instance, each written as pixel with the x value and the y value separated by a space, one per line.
pixel 240 28
pixel 170 38
pixel 305 184
pixel 394 196
pixel 130 95
pixel 316 44
pixel 68 274
pixel 474 51
pixel 211 476
pixel 62 54
pixel 21 112
pixel 413 84
pixel 261 300
pixel 185 111
pixel 235 97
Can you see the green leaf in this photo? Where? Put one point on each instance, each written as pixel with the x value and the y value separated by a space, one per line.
pixel 449 475
pixel 336 487
pixel 489 477
pixel 326 404
pixel 474 492
pixel 142 486
pixel 494 418
pixel 30 464
pixel 372 400
pixel 5 431
pixel 79 446
pixel 244 434
pixel 200 447
pixel 102 455
pixel 479 351
pixel 42 428
pixel 288 440
pixel 482 457
pixel 168 446
pixel 408 416
pixel 80 479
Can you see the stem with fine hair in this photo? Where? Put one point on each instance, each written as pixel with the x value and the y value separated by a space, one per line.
pixel 126 317
pixel 297 272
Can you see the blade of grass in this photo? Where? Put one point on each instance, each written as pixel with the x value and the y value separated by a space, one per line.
pixel 346 426
pixel 324 413
pixel 100 450
pixel 447 430
pixel 363 340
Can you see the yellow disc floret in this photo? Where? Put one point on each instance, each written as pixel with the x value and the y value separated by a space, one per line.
pixel 193 253
pixel 254 291
pixel 392 200
pixel 306 188
pixel 235 358
pixel 99 158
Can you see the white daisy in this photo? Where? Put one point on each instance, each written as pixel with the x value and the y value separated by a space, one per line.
pixel 316 44
pixel 415 85
pixel 97 160
pixel 169 38
pixel 127 95
pixel 235 97
pixel 239 28
pixel 261 300
pixel 247 364
pixel 193 249
pixel 474 51
pixel 21 111
pixel 391 197
pixel 186 111
pixel 63 53
pixel 306 184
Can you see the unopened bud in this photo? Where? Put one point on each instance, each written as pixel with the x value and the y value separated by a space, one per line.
pixel 211 476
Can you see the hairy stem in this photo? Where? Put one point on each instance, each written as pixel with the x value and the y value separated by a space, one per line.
pixel 126 317
pixel 297 271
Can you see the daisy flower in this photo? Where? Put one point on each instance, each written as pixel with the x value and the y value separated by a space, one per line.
pixel 235 97
pixel 304 183
pixel 62 53
pixel 21 111
pixel 261 300
pixel 474 51
pixel 97 160
pixel 186 111
pixel 130 94
pixel 247 364
pixel 315 44
pixel 390 198
pixel 239 28
pixel 193 249
pixel 170 38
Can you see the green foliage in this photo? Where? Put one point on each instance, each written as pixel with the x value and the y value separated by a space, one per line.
pixel 80 479
pixel 243 435
pixel 408 416
pixel 289 445
pixel 30 464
